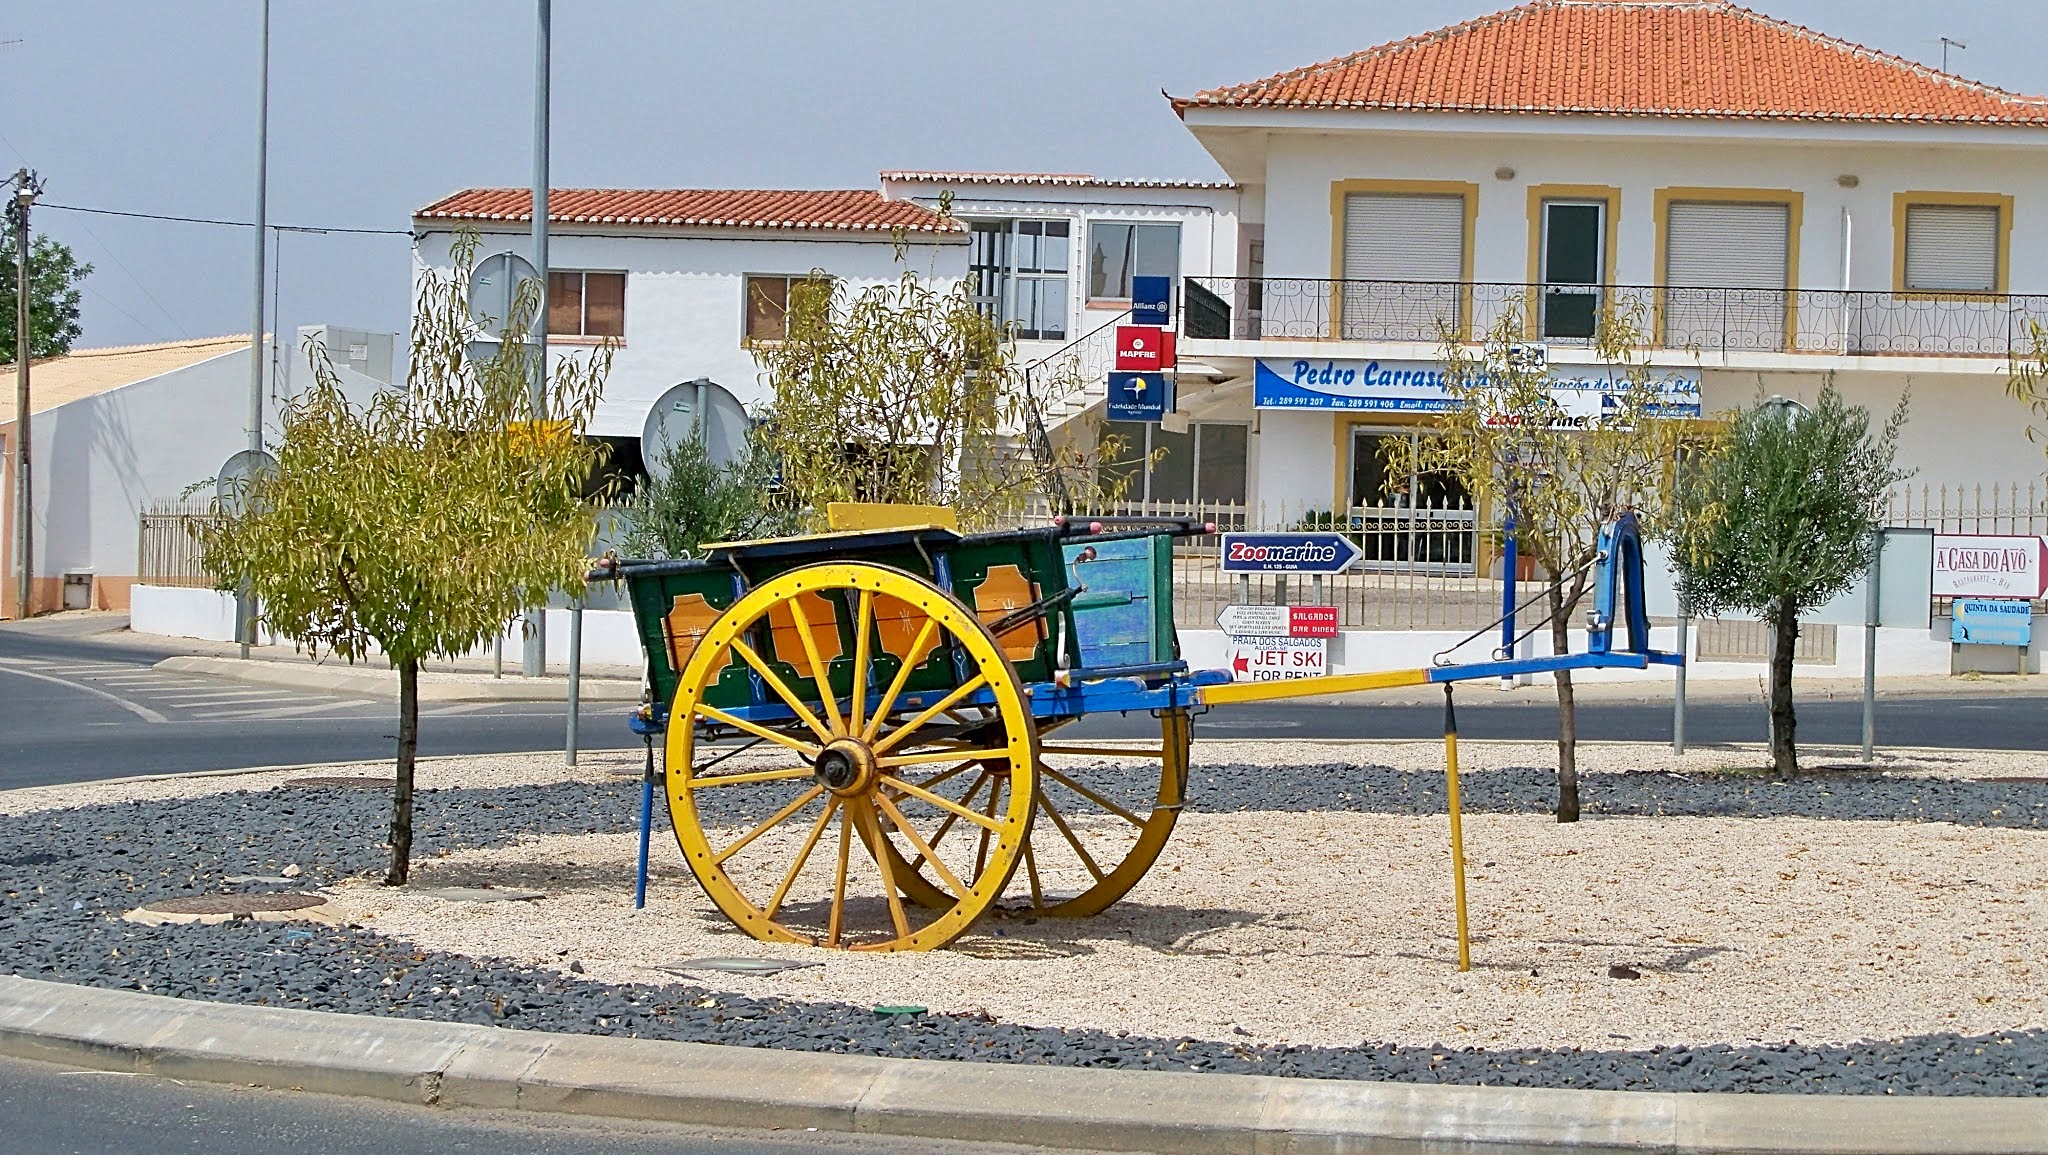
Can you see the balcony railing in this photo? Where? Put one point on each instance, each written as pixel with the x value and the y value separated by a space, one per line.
pixel 1711 320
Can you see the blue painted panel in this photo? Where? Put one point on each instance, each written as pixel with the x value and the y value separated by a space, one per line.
pixel 1115 614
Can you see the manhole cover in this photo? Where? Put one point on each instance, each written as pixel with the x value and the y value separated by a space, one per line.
pixel 343 780
pixel 234 903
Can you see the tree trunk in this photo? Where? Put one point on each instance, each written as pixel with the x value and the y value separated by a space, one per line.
pixel 1784 755
pixel 1567 714
pixel 401 795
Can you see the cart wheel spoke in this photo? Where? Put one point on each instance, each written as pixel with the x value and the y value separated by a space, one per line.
pixel 872 825
pixel 896 684
pixel 1091 795
pixel 1031 871
pixel 839 880
pixel 947 804
pixel 819 670
pixel 782 690
pixel 939 835
pixel 802 800
pixel 802 856
pixel 896 760
pixel 864 622
pixel 925 853
pixel 908 728
pixel 1087 859
pixel 809 751
pixel 746 779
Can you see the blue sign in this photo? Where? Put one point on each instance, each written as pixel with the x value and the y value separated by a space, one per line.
pixel 1152 301
pixel 1289 553
pixel 1992 622
pixel 1138 397
pixel 1583 393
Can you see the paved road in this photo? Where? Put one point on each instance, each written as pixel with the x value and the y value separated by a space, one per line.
pixel 59 1111
pixel 75 709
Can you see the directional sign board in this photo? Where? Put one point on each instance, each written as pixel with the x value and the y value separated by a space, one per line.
pixel 1289 553
pixel 1278 659
pixel 1278 621
pixel 1992 622
pixel 1137 397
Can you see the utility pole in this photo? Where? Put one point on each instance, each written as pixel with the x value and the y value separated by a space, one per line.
pixel 245 615
pixel 534 659
pixel 26 188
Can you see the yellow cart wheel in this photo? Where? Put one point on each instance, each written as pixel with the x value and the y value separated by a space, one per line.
pixel 1090 841
pixel 870 763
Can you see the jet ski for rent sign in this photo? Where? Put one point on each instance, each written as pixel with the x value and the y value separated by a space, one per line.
pixel 1276 643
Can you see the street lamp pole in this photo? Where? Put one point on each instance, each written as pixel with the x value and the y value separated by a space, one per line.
pixel 245 618
pixel 534 659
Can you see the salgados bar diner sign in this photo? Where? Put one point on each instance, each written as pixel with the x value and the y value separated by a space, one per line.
pixel 1582 393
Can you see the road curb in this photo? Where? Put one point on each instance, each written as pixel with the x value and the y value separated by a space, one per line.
pixel 374 683
pixel 459 1065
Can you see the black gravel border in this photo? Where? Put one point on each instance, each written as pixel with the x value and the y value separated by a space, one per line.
pixel 66 876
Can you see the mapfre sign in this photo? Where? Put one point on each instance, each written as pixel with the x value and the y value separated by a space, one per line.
pixel 1989 565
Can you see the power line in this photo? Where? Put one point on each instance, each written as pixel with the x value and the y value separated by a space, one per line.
pixel 123 266
pixel 230 224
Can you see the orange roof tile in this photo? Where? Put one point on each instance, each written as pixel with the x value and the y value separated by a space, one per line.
pixel 858 210
pixel 1687 58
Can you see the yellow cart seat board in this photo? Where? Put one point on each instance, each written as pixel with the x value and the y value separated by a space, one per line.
pixel 845 515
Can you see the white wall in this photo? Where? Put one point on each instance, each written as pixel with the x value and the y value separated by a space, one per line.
pixel 685 301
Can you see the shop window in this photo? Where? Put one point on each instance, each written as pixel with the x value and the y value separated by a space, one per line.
pixel 1203 466
pixel 1120 250
pixel 1020 275
pixel 586 304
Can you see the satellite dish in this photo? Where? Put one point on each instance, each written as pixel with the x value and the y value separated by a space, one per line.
pixel 494 286
pixel 703 409
pixel 231 488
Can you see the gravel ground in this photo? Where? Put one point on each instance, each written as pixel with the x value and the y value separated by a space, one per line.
pixel 67 874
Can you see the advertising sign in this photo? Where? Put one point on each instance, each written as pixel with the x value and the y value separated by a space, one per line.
pixel 1152 301
pixel 1583 393
pixel 1988 565
pixel 1992 622
pixel 1143 347
pixel 1278 659
pixel 1278 621
pixel 1137 397
pixel 1288 553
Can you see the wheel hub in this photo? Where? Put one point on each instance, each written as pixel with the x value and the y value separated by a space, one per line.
pixel 845 767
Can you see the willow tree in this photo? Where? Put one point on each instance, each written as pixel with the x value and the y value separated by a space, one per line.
pixel 1560 474
pixel 417 524
pixel 906 393
pixel 1781 516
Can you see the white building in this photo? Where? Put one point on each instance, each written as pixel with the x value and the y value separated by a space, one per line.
pixel 120 429
pixel 1782 206
pixel 689 281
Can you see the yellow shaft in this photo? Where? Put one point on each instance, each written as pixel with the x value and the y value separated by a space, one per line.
pixel 1457 849
pixel 1311 687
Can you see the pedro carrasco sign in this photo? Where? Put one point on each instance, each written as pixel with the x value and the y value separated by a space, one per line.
pixel 1582 394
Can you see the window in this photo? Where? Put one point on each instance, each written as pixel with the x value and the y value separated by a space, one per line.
pixel 1206 464
pixel 584 304
pixel 766 314
pixel 1952 248
pixel 1728 260
pixel 1118 251
pixel 1020 275
pixel 1403 264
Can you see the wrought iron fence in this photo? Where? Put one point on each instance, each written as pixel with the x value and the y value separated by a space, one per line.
pixel 1854 323
pixel 166 552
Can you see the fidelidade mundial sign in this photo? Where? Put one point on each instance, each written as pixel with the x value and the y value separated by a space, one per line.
pixel 1582 393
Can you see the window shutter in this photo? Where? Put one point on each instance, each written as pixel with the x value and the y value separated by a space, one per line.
pixel 1710 245
pixel 1952 248
pixel 1404 238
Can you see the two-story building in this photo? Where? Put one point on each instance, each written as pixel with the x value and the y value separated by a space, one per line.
pixel 1773 206
pixel 688 283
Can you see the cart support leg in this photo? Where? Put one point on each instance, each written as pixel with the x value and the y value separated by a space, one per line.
pixel 1457 829
pixel 646 826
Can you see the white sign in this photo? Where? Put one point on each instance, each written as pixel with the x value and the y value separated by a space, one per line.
pixel 1278 659
pixel 1254 621
pixel 1988 565
pixel 1584 394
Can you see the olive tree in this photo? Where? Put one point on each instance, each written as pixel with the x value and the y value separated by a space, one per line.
pixel 692 499
pixel 1560 475
pixel 904 393
pixel 1780 516
pixel 421 522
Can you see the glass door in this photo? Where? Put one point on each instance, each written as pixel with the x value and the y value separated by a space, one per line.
pixel 1409 520
pixel 1574 237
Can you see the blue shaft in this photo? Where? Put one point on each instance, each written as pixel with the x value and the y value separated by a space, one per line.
pixel 1508 564
pixel 646 825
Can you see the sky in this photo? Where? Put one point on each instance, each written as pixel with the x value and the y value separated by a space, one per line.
pixel 378 107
